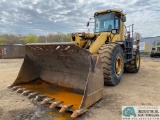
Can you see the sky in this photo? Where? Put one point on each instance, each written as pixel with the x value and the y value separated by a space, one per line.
pixel 42 17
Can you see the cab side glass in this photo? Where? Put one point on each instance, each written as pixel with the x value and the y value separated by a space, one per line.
pixel 123 18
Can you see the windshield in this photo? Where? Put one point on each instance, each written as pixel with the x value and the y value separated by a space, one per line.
pixel 156 43
pixel 106 22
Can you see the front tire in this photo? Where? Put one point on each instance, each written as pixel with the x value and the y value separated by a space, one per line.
pixel 152 54
pixel 112 59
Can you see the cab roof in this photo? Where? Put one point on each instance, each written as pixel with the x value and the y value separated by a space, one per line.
pixel 108 11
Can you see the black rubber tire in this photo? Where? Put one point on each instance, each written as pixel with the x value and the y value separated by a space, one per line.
pixel 131 66
pixel 151 54
pixel 108 54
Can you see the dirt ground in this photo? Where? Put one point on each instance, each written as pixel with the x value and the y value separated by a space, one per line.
pixel 134 89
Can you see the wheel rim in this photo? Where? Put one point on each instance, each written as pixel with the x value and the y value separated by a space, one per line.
pixel 137 60
pixel 118 65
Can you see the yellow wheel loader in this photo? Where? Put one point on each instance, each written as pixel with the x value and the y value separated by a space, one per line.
pixel 72 75
pixel 155 49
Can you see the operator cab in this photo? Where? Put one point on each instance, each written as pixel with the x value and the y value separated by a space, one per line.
pixel 156 43
pixel 108 20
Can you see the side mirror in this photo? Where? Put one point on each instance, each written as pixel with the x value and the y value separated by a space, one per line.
pixel 123 18
pixel 87 23
pixel 115 31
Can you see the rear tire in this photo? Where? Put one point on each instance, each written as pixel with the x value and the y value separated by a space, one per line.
pixel 151 54
pixel 112 59
pixel 133 65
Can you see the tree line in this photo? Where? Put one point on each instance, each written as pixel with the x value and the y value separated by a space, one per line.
pixel 32 38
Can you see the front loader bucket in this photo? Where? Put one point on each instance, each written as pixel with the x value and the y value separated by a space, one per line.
pixel 62 75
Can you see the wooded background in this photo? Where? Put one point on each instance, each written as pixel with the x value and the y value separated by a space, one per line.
pixel 32 38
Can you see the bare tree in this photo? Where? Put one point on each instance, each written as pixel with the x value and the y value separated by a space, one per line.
pixel 137 36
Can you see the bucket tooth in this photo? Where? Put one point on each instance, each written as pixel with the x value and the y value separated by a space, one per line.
pixel 26 92
pixel 10 86
pixel 47 100
pixel 32 95
pixel 20 90
pixel 39 97
pixel 78 112
pixel 15 88
pixel 65 108
pixel 55 104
